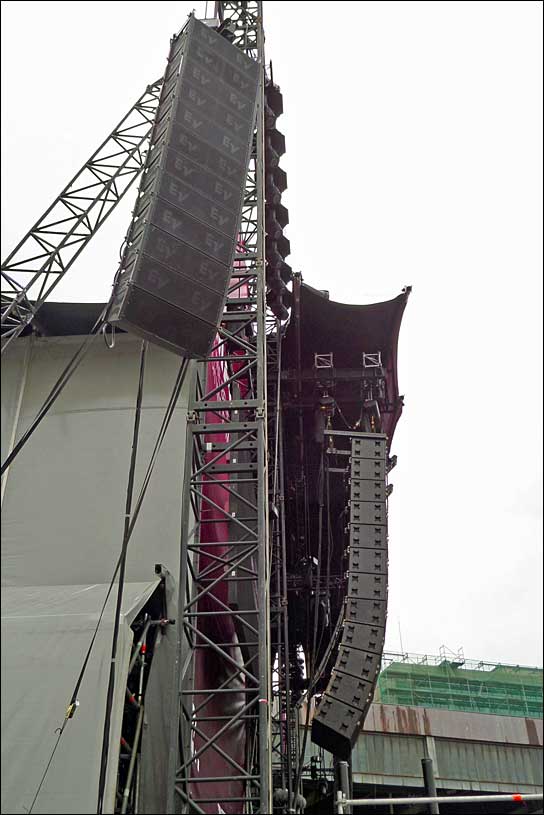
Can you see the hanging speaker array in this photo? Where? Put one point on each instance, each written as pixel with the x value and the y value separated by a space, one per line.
pixel 173 280
pixel 278 272
pixel 348 695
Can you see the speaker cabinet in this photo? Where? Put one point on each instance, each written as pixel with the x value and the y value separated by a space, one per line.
pixel 345 702
pixel 175 272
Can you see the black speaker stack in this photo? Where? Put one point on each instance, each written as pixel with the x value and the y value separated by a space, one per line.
pixel 345 702
pixel 175 272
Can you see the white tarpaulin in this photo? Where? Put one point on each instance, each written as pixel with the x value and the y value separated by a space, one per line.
pixel 46 631
pixel 63 504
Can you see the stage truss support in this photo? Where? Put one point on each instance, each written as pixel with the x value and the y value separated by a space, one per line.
pixel 226 465
pixel 42 258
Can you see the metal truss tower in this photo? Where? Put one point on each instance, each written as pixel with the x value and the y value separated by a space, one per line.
pixel 233 459
pixel 226 483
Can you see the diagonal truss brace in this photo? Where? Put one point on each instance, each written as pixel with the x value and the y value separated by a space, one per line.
pixel 42 258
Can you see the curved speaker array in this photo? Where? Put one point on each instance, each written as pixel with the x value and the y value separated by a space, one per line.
pixel 348 695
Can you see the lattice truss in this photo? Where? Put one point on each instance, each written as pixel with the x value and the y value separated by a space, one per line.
pixel 226 472
pixel 224 713
pixel 41 259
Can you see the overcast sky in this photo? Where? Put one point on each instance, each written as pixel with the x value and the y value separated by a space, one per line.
pixel 414 156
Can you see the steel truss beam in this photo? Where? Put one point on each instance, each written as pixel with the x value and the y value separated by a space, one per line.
pixel 233 469
pixel 42 258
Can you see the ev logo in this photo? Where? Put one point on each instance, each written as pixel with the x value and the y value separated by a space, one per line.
pixel 194 96
pixel 155 279
pixel 191 120
pixel 222 192
pixel 187 144
pixel 232 123
pixel 216 216
pixel 164 249
pixel 213 244
pixel 229 145
pixel 199 77
pixel 236 102
pixel 177 193
pixel 226 168
pixel 182 168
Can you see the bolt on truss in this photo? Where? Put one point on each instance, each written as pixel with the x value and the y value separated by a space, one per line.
pixel 44 255
pixel 221 695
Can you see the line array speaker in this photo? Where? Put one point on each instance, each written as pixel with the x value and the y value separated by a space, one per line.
pixel 348 695
pixel 174 276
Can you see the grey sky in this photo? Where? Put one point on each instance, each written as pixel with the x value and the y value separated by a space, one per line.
pixel 414 156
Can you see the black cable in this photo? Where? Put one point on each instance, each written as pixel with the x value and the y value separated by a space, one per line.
pixel 60 731
pixel 56 390
pixel 320 485
pixel 180 379
pixel 178 384
pixel 162 432
pixel 302 752
pixel 330 546
pixel 349 427
pixel 121 584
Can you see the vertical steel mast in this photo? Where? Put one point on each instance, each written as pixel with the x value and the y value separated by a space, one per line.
pixel 222 688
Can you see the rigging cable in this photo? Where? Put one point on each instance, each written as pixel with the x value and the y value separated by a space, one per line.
pixel 56 390
pixel 302 752
pixel 338 408
pixel 121 584
pixel 178 384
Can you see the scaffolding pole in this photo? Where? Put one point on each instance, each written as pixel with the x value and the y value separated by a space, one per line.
pixel 517 798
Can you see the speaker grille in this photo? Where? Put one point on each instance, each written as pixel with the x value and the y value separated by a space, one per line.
pixel 345 702
pixel 176 267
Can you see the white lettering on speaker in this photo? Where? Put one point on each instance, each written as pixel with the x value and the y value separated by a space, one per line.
pixel 187 143
pixel 236 126
pixel 220 190
pixel 240 81
pixel 164 248
pixel 207 272
pixel 156 278
pixel 198 100
pixel 228 144
pixel 213 244
pixel 217 217
pixel 199 76
pixel 191 120
pixel 174 190
pixel 236 102
pixel 170 219
pixel 223 164
pixel 181 167
pixel 204 56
